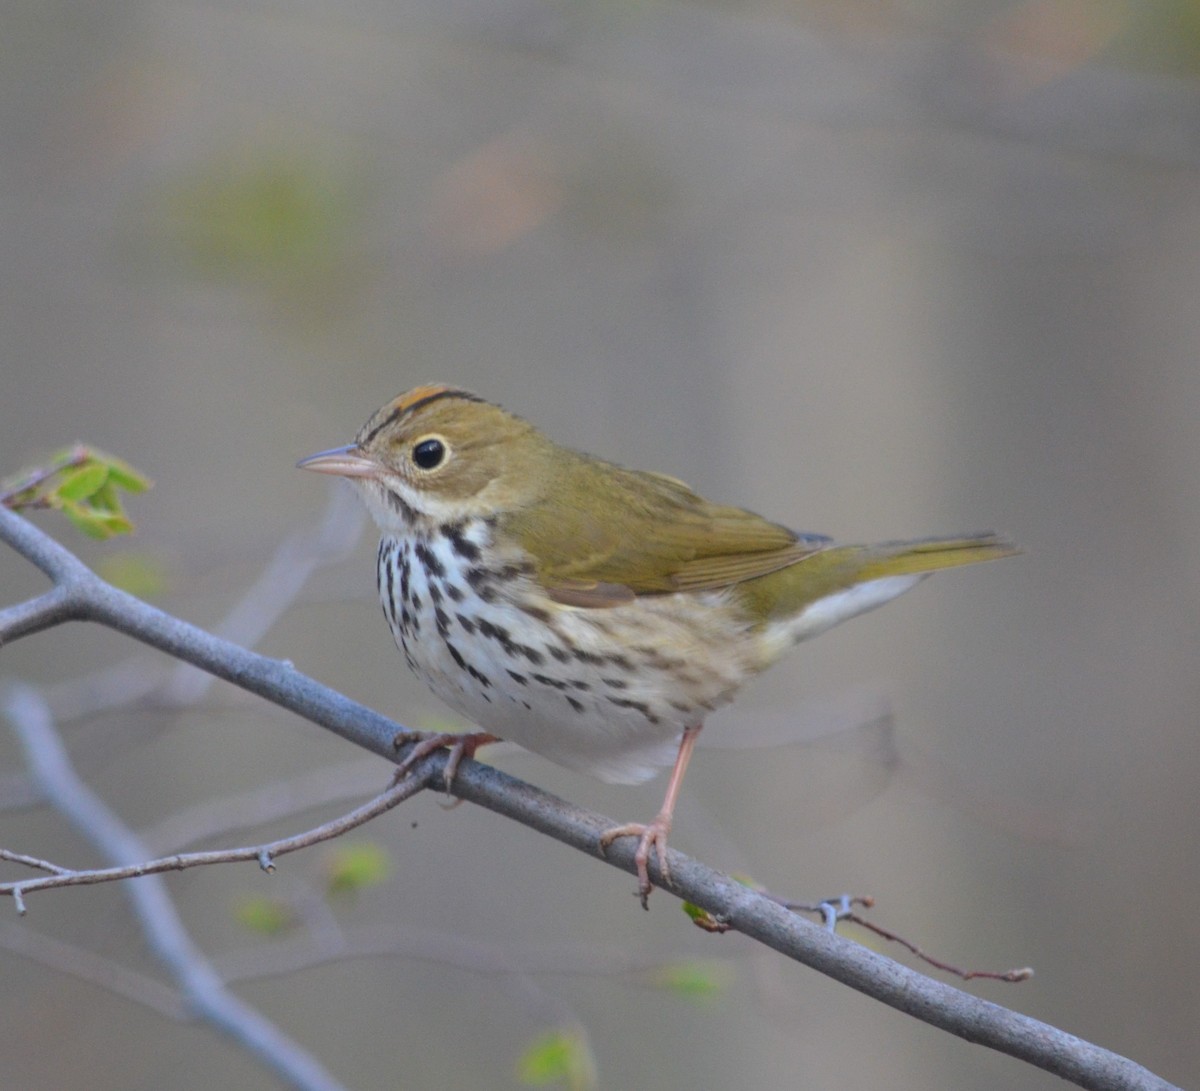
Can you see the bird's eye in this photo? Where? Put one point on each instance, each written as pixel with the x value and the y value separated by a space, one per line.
pixel 429 453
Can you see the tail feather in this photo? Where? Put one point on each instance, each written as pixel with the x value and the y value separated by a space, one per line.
pixel 930 554
pixel 828 574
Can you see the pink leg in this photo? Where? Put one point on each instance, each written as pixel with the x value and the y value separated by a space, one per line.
pixel 655 834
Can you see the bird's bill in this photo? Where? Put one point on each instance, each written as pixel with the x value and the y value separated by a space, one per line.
pixel 346 461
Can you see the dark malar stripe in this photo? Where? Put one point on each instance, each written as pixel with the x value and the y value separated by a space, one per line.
pixel 459 542
pixel 429 559
pixel 398 505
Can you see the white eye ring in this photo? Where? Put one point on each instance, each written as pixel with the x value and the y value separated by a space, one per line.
pixel 429 453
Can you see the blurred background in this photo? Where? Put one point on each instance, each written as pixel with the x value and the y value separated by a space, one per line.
pixel 875 268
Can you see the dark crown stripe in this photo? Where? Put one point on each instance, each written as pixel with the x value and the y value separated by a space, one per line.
pixel 403 407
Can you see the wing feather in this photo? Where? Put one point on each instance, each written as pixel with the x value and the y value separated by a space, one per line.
pixel 605 534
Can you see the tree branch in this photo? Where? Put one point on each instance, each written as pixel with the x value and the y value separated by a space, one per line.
pixel 49 764
pixel 83 596
pixel 205 994
pixel 743 909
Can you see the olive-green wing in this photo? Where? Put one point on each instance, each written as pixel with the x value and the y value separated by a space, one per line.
pixel 605 534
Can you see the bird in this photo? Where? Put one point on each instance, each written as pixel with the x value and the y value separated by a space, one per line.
pixel 591 613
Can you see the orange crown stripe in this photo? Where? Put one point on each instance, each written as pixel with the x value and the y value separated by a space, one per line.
pixel 407 403
pixel 410 399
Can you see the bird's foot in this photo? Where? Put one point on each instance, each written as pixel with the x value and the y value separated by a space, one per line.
pixel 460 746
pixel 651 836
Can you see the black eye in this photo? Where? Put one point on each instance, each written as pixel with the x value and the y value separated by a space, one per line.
pixel 429 453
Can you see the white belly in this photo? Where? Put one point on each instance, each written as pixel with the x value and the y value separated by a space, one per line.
pixel 606 691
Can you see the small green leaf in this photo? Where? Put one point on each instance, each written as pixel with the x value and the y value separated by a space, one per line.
pixel 267 916
pixel 703 919
pixel 351 868
pixel 698 979
pixel 122 474
pixel 559 1056
pixel 96 524
pixel 114 523
pixel 81 483
pixel 105 498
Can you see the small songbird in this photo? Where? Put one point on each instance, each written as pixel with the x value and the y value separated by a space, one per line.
pixel 590 613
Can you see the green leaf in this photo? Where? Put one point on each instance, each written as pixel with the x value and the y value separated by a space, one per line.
pixel 105 498
pixel 96 524
pixel 351 868
pixel 697 979
pixel 122 474
pixel 559 1056
pixel 267 916
pixel 81 483
pixel 703 919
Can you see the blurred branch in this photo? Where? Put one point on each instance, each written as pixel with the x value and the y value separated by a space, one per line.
pixel 80 595
pixel 260 805
pixel 79 962
pixel 473 955
pixel 275 591
pixel 47 758
pixel 160 922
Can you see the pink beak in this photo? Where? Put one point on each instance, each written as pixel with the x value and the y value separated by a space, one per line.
pixel 346 461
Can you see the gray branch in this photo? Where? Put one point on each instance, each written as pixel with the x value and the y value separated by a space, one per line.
pixel 203 990
pixel 81 595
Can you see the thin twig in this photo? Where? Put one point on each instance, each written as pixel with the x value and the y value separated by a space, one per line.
pixel 11 492
pixel 835 910
pixel 1022 974
pixel 20 705
pixel 205 994
pixel 33 862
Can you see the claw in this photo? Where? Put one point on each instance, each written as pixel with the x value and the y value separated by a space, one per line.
pixel 652 835
pixel 460 746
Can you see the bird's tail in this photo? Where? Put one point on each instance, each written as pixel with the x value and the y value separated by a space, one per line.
pixel 924 555
pixel 842 581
